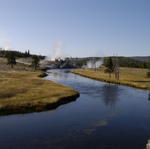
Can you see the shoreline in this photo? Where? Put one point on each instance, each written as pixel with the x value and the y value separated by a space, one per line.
pixel 45 102
pixel 32 109
pixel 108 80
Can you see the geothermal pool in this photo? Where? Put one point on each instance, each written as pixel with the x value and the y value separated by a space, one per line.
pixel 105 116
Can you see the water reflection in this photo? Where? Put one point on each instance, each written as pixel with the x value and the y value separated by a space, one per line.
pixel 102 123
pixel 110 94
pixel 104 116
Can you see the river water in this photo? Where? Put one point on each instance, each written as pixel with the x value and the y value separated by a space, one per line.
pixel 105 116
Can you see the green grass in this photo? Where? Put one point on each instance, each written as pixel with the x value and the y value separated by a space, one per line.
pixel 134 77
pixel 24 91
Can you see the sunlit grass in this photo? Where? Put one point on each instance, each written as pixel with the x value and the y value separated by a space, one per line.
pixel 128 76
pixel 21 90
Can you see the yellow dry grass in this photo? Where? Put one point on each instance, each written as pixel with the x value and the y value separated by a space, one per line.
pixel 21 90
pixel 134 77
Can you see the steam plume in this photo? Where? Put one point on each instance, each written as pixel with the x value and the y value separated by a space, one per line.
pixel 94 63
pixel 57 50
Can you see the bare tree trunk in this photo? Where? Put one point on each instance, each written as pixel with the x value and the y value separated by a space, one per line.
pixel 109 75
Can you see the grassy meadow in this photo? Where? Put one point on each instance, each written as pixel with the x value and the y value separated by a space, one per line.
pixel 134 77
pixel 24 91
pixel 17 67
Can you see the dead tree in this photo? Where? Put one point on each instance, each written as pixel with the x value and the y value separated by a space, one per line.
pixel 116 67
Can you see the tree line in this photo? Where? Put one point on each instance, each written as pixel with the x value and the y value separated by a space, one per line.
pixel 18 54
pixel 112 65
pixel 129 62
pixel 12 55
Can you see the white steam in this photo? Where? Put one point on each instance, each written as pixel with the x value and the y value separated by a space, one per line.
pixel 57 51
pixel 94 63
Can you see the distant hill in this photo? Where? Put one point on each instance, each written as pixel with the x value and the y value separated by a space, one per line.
pixel 18 54
pixel 136 62
pixel 141 58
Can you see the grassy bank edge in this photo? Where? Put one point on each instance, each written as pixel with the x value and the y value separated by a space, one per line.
pixel 29 108
pixel 110 81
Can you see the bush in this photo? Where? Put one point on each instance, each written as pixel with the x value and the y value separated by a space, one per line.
pixel 148 74
pixel 11 60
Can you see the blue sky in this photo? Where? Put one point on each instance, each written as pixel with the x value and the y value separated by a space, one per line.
pixel 83 27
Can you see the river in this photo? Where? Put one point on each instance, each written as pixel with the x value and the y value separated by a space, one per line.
pixel 105 116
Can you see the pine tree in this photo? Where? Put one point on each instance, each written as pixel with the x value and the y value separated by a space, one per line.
pixel 109 66
pixel 11 60
pixel 28 53
pixel 35 62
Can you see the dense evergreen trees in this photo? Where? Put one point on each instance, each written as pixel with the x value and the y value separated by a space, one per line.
pixel 129 62
pixel 18 54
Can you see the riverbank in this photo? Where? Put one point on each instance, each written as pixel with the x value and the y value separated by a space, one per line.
pixel 24 91
pixel 133 77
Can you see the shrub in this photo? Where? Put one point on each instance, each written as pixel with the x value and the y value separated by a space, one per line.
pixel 148 74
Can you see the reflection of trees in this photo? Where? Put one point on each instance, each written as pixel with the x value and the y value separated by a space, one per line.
pixel 59 74
pixel 110 94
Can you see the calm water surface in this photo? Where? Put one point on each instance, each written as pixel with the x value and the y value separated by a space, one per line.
pixel 105 116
